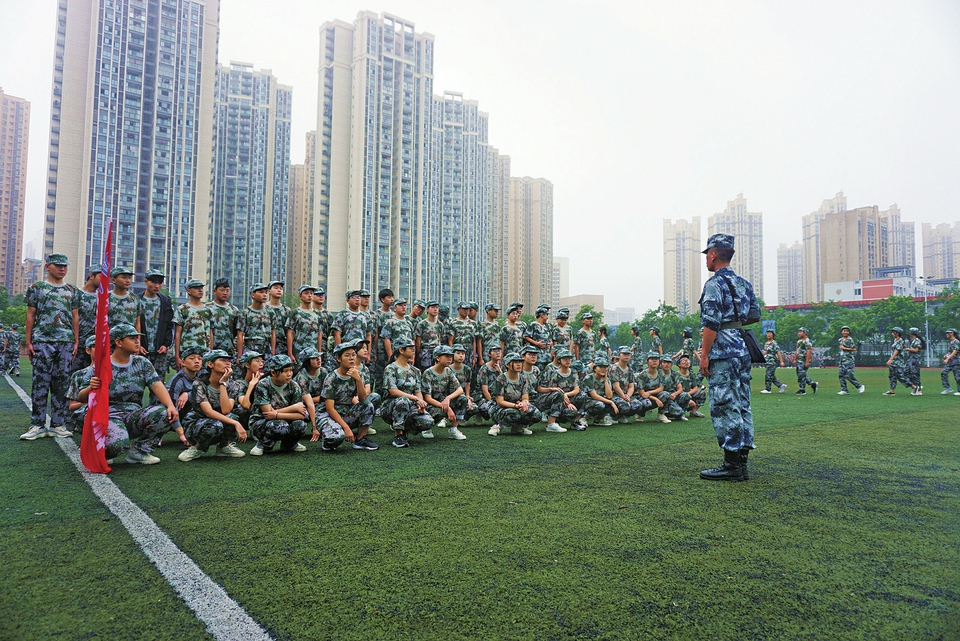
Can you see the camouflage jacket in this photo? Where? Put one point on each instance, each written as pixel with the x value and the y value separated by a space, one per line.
pixel 124 309
pixel 195 322
pixel 305 325
pixel 511 391
pixel 553 377
pixel 441 385
pixel 223 322
pixel 406 379
pixel 340 390
pixel 128 383
pixel 53 322
pixel 717 308
pixel 266 393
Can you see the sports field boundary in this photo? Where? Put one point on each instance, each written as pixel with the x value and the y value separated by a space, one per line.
pixel 221 615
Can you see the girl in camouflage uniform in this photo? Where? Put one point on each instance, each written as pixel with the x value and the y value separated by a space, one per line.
pixel 913 346
pixel 443 393
pixel 404 408
pixel 486 377
pixel 347 414
pixel 281 410
pixel 650 382
pixel 464 374
pixel 512 392
pixel 771 356
pixel 596 394
pixel 622 381
pixel 211 419
pixel 558 388
pixel 673 389
pixel 693 396
pixel 846 362
pixel 951 363
pixel 897 365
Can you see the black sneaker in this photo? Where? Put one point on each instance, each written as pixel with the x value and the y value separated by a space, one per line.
pixel 800 391
pixel 365 444
pixel 400 441
pixel 814 385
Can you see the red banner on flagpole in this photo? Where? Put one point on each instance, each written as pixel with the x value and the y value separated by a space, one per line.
pixel 94 439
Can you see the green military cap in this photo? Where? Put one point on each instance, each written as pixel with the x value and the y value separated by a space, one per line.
pixel 563 309
pixel 511 357
pixel 490 306
pixel 655 355
pixel 194 282
pixel 951 331
pixel 577 366
pixel 563 352
pixel 432 303
pixel 845 327
pixel 563 315
pixel 56 259
pixel 304 288
pixel 802 329
pixel 420 302
pixel 474 305
pixel 460 348
pixel 898 330
pixel 442 350
pixel 14 326
pixel 320 290
pixel 518 305
pixel 119 271
pixel 600 361
pixel 654 328
pixel 307 353
pixel 1 325
pixel 915 331
pixel 352 292
pixel 90 342
pixel 95 268
pixel 463 305
pixel 364 293
pixel 256 287
pixel 444 308
pixel 636 328
pixel 402 343
pixel 154 274
pixel 542 311
pixel 514 308
pixel 123 330
pixel 495 346
pixel 399 301
pixel 190 350
pixel 687 330
pixel 275 282
pixel 544 306
pixel 215 354
pixel 624 350
pixel 587 315
pixel 666 359
pixel 720 241
pixel 529 349
pixel 249 355
pixel 278 362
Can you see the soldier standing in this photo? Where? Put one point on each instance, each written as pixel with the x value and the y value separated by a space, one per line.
pixel 157 323
pixel 802 358
pixel 302 330
pixel 278 313
pixel 427 333
pixel 561 335
pixel 846 362
pixel 914 345
pixel 223 318
pixel 584 341
pixel 656 344
pixel 255 329
pixel 771 356
pixel 537 334
pixel 488 333
pixel 192 321
pixel 951 363
pixel 125 307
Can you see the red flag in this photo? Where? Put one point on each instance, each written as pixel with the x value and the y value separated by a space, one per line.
pixel 94 439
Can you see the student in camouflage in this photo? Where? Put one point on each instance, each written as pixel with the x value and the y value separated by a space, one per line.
pixel 417 312
pixel 512 392
pixel 78 391
pixel 558 387
pixel 180 387
pixel 951 363
pixel 326 323
pixel 561 334
pixel 673 389
pixel 125 306
pixel 427 333
pixel 282 413
pixel 596 394
pixel 636 349
pixel 342 418
pixel 86 313
pixel 11 351
pixel 212 419
pixel 464 374
pixel 396 327
pixel 488 333
pixel 651 388
pixel 802 359
pixel 52 326
pixel 488 373
pixel 279 313
pixel 846 362
pixel 309 375
pixel 511 334
pixel 223 317
pixel 251 366
pixel 374 398
pixel 404 408
pixel 897 365
pixel 656 345
pixel 351 323
pixel 603 343
pixel 772 355
pixel 379 316
pixel 443 393
pixel 623 383
pixel 255 328
pixel 192 323
pixel 302 330
pixel 913 345
pixel 156 323
pixel 461 330
pixel 529 353
pixel 687 349
pixel 537 335
pixel 694 396
pixel 585 341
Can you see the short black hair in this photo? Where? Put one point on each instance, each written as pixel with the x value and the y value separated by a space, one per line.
pixel 221 282
pixel 724 253
pixel 384 293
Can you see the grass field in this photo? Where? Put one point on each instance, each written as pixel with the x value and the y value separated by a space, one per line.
pixel 849 529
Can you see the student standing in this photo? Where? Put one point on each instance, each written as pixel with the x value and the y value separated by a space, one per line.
pixel 846 363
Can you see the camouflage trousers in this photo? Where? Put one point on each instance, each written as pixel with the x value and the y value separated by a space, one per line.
pixel 376 372
pixel 730 403
pixel 458 405
pixel 913 369
pixel 140 429
pixel 591 407
pixel 160 362
pixel 846 374
pixel 802 379
pixel 203 431
pixel 683 400
pixel 628 408
pixel 51 376
pixel 770 378
pixel 331 432
pixel 670 406
pixel 486 407
pixel 898 373
pixel 402 414
pixel 953 365
pixel 374 399
pixel 269 432
pixel 261 345
pixel 552 404
pixel 473 409
pixel 81 360
pixel 425 358
pixel 11 361
pixel 516 419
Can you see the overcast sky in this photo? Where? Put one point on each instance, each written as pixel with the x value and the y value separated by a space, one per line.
pixel 637 111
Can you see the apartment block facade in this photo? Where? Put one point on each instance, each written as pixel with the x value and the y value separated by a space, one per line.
pixel 682 263
pixel 14 145
pixel 790 275
pixel 941 250
pixel 747 228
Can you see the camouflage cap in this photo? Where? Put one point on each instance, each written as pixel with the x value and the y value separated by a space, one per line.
pixel 542 311
pixel 654 355
pixel 307 353
pixel 249 355
pixel 897 329
pixel 529 349
pixel 951 330
pixel 586 316
pixel 511 357
pixel 194 282
pixel 90 342
pixel 564 309
pixel 215 354
pixel 402 343
pixel 491 306
pixel 275 282
pixel 720 241
pixel 666 359
pixel 654 328
pixel 432 303
pixel 364 293
pixel 190 350
pixel 577 366
pixel 495 347
pixel 352 292
pixel 802 329
pixel 600 361
pixel 563 352
pixel 304 288
pixel 154 274
pixel 459 348
pixel 463 305
pixel 624 349
pixel 914 330
pixel 420 302
pixel 474 305
pixel 398 301
pixel 688 330
pixel 14 326
pixel 119 271
pixel 56 259
pixel 520 305
pixel 277 362
pixel 442 350
pixel 845 327
pixel 256 287
pixel 221 282
pixel 95 268
pixel 563 315
pixel 123 330
pixel 514 308
pixel 444 308
pixel 320 290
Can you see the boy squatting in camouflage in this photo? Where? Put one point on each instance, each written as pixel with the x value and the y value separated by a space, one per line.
pixel 512 413
pixel 341 390
pixel 272 419
pixel 399 411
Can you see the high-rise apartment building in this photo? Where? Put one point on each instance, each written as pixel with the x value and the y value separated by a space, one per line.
pixel 682 263
pixel 307 241
pixel 374 130
pixel 501 241
pixel 852 244
pixel 747 228
pixel 790 274
pixel 14 143
pixel 251 182
pixel 296 230
pixel 529 227
pixel 901 241
pixel 941 250
pixel 130 129
pixel 812 283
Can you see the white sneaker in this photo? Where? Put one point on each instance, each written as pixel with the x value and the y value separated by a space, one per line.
pixel 916 393
pixel 527 432
pixel 136 456
pixel 956 393
pixel 371 431
pixel 843 393
pixel 257 450
pixel 190 453
pixel 429 433
pixel 299 447
pixel 605 421
pixel 230 450
pixel 765 391
pixel 943 393
pixel 59 431
pixel 663 418
pixel 494 430
pixel 554 427
pixel 638 419
pixel 441 424
pixel 863 388
pixel 457 434
pixel 783 388
pixel 684 418
pixel 34 433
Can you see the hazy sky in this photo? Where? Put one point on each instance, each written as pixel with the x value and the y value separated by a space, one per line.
pixel 638 111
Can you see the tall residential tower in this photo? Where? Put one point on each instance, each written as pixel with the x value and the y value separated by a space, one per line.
pixel 14 142
pixel 747 228
pixel 682 263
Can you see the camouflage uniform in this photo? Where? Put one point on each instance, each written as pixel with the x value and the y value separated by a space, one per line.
pixel 78 381
pixel 195 324
pixel 131 425
pixel 804 345
pixel 326 326
pixel 429 335
pixel 151 322
pixel 487 376
pixel 352 325
pixel 512 392
pixel 11 355
pixel 625 377
pixel 562 338
pixel 586 340
pixel 400 412
pixel 729 359
pixel 311 385
pixel 540 333
pixel 588 405
pixel 637 356
pixel 688 382
pixel 256 325
pixel 603 347
pixel 845 365
pixel 223 322
pixel 201 430
pixel 270 431
pixel 463 331
pixel 656 345
pixel 898 368
pixel 647 383
pixel 953 365
pixel 771 356
pixel 392 329
pixel 687 350
pixel 533 377
pixel 305 325
pixel 489 333
pixel 552 402
pixel 53 341
pixel 913 361
pixel 279 314
pixel 440 386
pixel 366 375
pixel 511 337
pixel 87 314
pixel 342 390
pixel 465 377
pixel 124 309
pixel 674 409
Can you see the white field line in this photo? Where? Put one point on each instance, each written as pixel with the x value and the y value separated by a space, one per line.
pixel 222 616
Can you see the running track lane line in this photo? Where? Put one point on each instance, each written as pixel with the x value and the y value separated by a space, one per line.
pixel 222 616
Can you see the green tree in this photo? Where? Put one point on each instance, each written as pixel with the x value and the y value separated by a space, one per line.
pixel 622 336
pixel 16 315
pixel 4 298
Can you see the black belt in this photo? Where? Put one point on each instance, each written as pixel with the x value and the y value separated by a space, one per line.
pixel 731 325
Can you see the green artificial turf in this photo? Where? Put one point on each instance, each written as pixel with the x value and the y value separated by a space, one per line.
pixel 849 529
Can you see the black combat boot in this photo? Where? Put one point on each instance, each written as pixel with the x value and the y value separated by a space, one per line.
pixel 730 470
pixel 744 453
